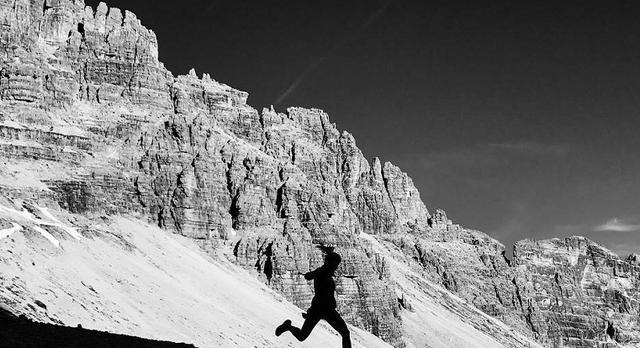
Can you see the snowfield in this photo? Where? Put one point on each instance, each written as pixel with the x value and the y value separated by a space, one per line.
pixel 125 276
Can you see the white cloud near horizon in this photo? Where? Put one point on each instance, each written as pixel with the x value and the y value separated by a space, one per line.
pixel 617 225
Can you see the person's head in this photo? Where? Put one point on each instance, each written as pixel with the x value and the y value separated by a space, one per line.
pixel 332 261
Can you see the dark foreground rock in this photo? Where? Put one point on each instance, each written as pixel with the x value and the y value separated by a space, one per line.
pixel 24 333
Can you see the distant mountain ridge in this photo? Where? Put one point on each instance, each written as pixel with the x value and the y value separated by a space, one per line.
pixel 93 127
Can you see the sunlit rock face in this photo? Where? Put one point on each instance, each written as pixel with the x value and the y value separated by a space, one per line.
pixel 57 52
pixel 91 122
pixel 104 128
pixel 578 293
pixel 562 292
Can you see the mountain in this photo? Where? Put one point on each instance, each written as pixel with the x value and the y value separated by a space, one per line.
pixel 142 203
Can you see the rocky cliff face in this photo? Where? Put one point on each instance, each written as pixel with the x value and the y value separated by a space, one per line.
pixel 103 128
pixel 563 292
pixel 577 293
pixel 92 122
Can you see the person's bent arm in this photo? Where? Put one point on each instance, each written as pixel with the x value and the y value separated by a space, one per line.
pixel 313 274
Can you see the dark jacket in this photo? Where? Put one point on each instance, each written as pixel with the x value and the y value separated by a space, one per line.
pixel 324 299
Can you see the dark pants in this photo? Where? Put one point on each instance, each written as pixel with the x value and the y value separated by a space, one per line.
pixel 332 317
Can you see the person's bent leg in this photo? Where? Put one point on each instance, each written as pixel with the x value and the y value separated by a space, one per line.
pixel 284 327
pixel 304 332
pixel 338 324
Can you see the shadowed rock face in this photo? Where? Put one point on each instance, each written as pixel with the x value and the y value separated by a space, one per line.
pixel 91 121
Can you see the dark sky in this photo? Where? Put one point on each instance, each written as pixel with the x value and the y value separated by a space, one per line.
pixel 519 118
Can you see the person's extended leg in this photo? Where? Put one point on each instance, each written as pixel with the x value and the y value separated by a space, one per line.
pixel 337 323
pixel 304 332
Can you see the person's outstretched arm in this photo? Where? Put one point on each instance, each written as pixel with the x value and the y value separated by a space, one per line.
pixel 313 274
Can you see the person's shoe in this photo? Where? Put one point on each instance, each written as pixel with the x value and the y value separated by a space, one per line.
pixel 283 327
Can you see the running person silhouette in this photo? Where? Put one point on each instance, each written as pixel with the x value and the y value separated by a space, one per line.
pixel 323 305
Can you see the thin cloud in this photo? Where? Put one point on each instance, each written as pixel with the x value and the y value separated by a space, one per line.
pixel 492 154
pixel 318 61
pixel 532 148
pixel 617 225
pixel 294 85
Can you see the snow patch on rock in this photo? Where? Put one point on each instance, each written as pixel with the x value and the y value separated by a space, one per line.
pixel 47 235
pixel 9 231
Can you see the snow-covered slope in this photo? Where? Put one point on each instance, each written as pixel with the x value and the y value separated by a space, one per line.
pixel 435 317
pixel 125 276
